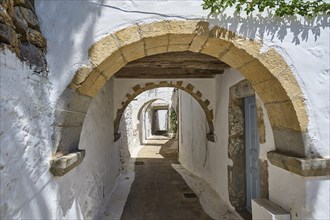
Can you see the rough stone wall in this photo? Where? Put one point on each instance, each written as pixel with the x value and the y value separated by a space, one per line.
pixel 20 32
pixel 236 145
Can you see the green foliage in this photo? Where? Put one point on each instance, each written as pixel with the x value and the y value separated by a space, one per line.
pixel 281 7
pixel 173 121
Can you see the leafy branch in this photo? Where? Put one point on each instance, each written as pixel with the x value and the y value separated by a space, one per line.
pixel 281 7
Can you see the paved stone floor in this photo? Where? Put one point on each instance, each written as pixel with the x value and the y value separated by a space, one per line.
pixel 158 191
pixel 155 188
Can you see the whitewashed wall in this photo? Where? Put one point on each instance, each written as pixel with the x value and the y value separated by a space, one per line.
pixel 28 190
pixel 304 198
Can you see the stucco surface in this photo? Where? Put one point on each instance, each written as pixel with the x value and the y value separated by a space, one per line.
pixel 28 190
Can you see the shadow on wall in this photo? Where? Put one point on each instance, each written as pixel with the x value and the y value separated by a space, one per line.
pixel 271 25
pixel 67 43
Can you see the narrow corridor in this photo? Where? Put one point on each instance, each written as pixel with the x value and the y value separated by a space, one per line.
pixel 159 191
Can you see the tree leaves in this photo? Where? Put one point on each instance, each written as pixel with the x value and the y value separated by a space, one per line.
pixel 280 7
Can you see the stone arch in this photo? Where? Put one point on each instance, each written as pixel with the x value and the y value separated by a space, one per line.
pixel 267 71
pixel 146 104
pixel 143 109
pixel 189 88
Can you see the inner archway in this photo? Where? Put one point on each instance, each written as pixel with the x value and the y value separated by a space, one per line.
pixel 189 88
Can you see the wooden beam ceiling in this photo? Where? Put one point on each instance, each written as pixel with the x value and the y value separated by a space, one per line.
pixel 173 65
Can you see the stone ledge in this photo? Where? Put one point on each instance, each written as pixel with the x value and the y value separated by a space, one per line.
pixel 63 164
pixel 301 166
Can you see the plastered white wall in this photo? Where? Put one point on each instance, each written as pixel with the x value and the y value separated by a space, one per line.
pixel 25 141
pixel 28 190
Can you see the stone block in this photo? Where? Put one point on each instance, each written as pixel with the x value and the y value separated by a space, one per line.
pixel 199 94
pixel 153 42
pixel 273 61
pixel 92 84
pixel 19 21
pixel 282 115
pixel 271 91
pixel 32 54
pixel 7 35
pixel 30 18
pixel 102 49
pixel 242 89
pixel 80 76
pixel 24 3
pixel 198 43
pixel 5 18
pixel 136 88
pixel 65 118
pixel 63 164
pixel 251 47
pixel 215 47
pixel 255 72
pixel 73 101
pixel 133 51
pixel 180 39
pixel 66 139
pixel 301 166
pixel 221 33
pixel 156 50
pixel 301 113
pixel 128 35
pixel 112 64
pixel 190 87
pixel 236 57
pixel 289 141
pixel 36 38
pixel 154 29
pixel 187 27
pixel 289 82
pixel 263 209
pixel 178 47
